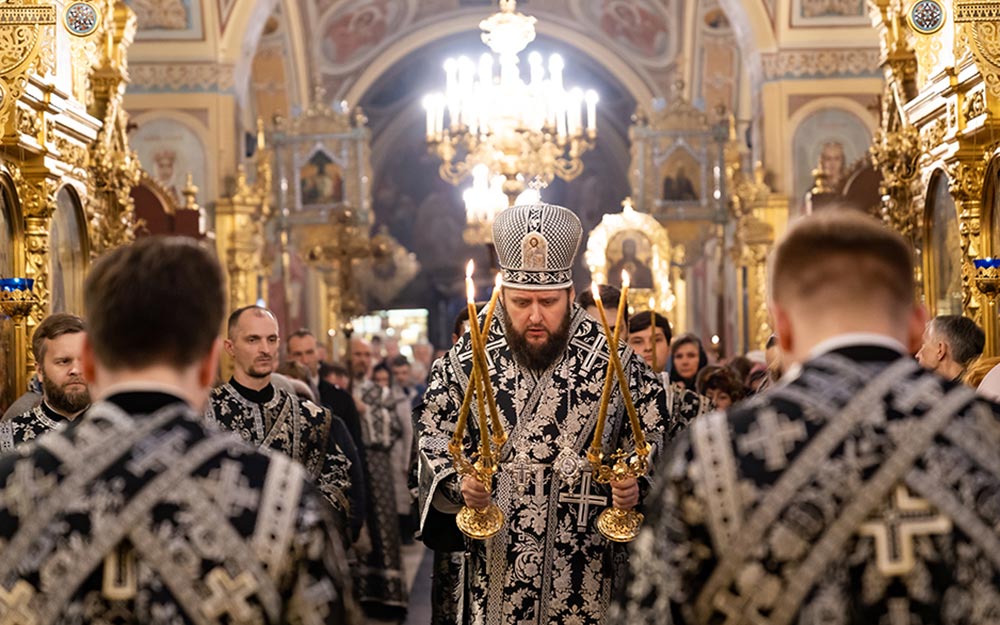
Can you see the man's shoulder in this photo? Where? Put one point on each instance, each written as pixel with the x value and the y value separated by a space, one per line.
pixel 23 404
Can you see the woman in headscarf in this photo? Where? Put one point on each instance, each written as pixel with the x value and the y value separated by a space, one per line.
pixel 687 358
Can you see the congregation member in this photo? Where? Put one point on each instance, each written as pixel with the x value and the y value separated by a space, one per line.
pixel 547 362
pixel 136 512
pixel 649 334
pixel 859 491
pixel 387 432
pixel 721 385
pixel 687 358
pixel 950 344
pixel 271 417
pixel 57 345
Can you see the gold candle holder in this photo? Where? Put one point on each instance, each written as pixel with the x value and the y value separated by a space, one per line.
pixel 614 523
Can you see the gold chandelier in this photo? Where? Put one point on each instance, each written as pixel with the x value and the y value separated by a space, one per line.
pixel 521 130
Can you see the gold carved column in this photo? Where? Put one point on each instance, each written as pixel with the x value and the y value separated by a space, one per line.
pixel 240 219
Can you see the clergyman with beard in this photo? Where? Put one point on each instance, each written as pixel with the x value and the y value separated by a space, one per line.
pixel 547 363
pixel 57 345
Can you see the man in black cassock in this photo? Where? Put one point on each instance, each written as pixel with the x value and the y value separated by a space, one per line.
pixel 861 490
pixel 138 513
pixel 271 417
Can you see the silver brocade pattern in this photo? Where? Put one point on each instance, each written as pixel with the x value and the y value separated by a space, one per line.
pixel 157 519
pixel 861 492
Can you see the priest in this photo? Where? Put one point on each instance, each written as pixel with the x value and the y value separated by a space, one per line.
pixel 271 417
pixel 57 345
pixel 547 364
pixel 862 490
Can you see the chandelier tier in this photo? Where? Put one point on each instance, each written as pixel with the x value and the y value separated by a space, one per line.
pixel 519 129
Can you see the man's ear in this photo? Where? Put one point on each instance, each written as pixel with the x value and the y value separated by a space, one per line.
pixel 782 328
pixel 208 367
pixel 88 362
pixel 228 343
pixel 916 327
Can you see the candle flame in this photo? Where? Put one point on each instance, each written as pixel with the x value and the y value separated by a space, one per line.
pixel 470 290
pixel 625 280
pixel 498 281
pixel 595 291
pixel 470 267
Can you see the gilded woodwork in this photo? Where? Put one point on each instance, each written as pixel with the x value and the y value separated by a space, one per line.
pixel 948 122
pixel 27 42
pixel 51 135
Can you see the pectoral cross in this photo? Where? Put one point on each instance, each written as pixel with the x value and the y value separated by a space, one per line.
pixel 772 437
pixel 521 473
pixel 583 501
pixel 905 518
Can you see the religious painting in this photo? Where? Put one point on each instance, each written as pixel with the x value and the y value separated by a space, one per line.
pixel 169 150
pixel 829 13
pixel 321 181
pixel 631 251
pixel 682 177
pixel 639 27
pixel 639 244
pixel 67 255
pixel 942 245
pixel 161 20
pixel 832 139
pixel 354 31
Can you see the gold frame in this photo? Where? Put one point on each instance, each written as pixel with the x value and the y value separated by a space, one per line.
pixel 632 220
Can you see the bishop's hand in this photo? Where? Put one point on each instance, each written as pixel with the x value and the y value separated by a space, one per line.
pixel 625 494
pixel 476 496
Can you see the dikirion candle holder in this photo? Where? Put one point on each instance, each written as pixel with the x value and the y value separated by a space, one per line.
pixel 614 523
pixel 479 524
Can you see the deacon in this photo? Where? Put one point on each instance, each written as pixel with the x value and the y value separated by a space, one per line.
pixel 268 416
pixel 547 361
pixel 138 513
pixel 58 347
pixel 862 490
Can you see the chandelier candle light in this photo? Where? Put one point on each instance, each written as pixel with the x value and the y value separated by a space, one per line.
pixel 616 524
pixel 489 115
pixel 479 524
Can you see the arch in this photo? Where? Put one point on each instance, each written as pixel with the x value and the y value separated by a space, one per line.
pixel 935 245
pixel 754 33
pixel 637 84
pixel 69 251
pixel 990 218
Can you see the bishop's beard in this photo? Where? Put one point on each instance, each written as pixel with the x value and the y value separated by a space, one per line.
pixel 537 357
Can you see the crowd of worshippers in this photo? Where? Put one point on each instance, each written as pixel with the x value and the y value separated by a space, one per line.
pixel 137 487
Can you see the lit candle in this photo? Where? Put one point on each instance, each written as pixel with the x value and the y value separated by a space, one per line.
pixel 640 438
pixel 652 331
pixel 602 412
pixel 499 434
pixel 592 99
pixel 429 107
pixel 486 453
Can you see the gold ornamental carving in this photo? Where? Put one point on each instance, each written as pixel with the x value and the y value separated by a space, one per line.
pixel 27 35
pixel 979 21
